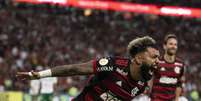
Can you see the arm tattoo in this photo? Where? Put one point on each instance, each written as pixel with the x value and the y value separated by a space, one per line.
pixel 73 69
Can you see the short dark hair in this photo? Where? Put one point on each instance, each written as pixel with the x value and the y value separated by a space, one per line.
pixel 140 45
pixel 168 36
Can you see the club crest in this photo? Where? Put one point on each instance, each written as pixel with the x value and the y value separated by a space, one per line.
pixel 177 70
pixel 103 61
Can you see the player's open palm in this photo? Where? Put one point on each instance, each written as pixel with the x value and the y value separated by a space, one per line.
pixel 28 75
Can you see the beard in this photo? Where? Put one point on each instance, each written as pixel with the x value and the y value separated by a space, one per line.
pixel 146 72
pixel 171 51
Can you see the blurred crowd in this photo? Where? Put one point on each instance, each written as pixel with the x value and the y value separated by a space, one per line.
pixel 35 40
pixel 184 3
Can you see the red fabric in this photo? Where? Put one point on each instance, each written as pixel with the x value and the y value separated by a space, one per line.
pixel 94 65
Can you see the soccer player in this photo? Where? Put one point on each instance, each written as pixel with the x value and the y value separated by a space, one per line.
pixel 47 88
pixel 167 76
pixel 115 78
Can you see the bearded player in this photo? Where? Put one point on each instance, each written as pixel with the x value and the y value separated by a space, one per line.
pixel 167 76
pixel 115 78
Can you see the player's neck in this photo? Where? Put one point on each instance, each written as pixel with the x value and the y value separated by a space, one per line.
pixel 169 58
pixel 135 71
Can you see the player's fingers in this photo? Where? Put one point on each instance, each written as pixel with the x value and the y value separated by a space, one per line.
pixel 35 74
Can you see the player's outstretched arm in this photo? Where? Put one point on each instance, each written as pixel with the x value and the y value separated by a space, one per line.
pixel 58 71
pixel 74 69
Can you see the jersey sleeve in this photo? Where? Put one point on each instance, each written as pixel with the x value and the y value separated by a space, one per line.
pixel 104 64
pixel 110 64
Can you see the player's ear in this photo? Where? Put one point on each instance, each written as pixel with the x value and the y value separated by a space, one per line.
pixel 164 46
pixel 138 59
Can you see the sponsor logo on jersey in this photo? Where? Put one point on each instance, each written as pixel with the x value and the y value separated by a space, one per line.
pixel 177 70
pixel 103 61
pixel 168 80
pixel 105 68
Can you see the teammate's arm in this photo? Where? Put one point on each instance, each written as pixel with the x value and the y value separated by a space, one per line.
pixel 179 85
pixel 178 93
pixel 58 71
pixel 179 89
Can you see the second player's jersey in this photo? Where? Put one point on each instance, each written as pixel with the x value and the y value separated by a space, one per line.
pixel 111 82
pixel 167 77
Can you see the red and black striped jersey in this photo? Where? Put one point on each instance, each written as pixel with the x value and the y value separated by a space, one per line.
pixel 111 82
pixel 167 77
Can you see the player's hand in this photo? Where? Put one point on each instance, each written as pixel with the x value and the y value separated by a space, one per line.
pixel 28 75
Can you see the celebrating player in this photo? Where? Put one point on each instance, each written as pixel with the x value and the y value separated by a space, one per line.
pixel 115 78
pixel 167 76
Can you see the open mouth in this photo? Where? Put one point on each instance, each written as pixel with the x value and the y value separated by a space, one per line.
pixel 151 72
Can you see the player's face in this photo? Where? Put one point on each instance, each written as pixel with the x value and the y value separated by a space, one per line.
pixel 171 46
pixel 151 57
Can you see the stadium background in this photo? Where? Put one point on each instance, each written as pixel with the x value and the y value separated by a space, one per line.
pixel 33 36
